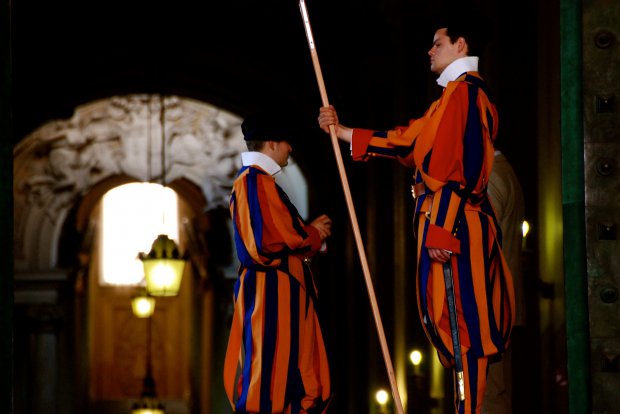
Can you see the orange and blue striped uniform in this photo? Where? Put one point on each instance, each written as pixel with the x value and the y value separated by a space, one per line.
pixel 451 150
pixel 276 361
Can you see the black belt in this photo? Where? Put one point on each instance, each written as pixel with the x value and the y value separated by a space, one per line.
pixel 419 189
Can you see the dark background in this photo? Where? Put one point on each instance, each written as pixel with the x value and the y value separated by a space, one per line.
pixel 246 55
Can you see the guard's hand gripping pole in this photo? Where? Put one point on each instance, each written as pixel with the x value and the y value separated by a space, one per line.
pixel 352 215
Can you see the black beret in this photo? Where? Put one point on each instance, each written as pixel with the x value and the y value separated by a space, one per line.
pixel 260 127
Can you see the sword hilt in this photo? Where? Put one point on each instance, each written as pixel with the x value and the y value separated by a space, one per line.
pixel 461 385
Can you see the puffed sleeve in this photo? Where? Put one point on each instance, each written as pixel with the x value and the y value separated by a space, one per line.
pixel 268 226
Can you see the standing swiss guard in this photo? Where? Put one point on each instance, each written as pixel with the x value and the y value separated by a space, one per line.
pixel 464 287
pixel 276 361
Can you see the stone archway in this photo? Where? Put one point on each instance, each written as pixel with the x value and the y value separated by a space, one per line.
pixel 60 162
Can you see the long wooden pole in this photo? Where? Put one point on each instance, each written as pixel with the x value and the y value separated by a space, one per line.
pixel 352 215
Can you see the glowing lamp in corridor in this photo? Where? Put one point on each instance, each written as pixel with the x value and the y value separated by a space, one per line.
pixel 163 267
pixel 415 357
pixel 382 397
pixel 147 411
pixel 148 406
pixel 143 305
pixel 525 227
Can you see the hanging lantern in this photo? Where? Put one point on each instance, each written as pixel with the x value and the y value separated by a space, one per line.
pixel 143 305
pixel 148 405
pixel 163 267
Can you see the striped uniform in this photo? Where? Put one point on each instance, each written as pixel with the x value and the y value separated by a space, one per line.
pixel 451 149
pixel 276 361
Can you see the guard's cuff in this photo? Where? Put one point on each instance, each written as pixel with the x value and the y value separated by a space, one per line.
pixel 359 144
pixel 440 238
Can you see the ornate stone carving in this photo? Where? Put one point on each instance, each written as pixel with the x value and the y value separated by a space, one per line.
pixel 62 160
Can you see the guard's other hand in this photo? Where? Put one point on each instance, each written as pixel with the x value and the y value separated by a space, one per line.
pixel 324 225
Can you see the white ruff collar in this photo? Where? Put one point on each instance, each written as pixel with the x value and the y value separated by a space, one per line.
pixel 457 68
pixel 263 161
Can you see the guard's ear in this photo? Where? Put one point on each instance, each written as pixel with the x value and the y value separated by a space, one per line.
pixel 272 145
pixel 461 44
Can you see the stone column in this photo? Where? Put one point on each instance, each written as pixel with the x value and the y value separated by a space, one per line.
pixel 43 364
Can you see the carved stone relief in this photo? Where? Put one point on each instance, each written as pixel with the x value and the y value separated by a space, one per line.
pixel 59 162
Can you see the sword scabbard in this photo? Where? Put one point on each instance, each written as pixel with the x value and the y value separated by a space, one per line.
pixel 454 329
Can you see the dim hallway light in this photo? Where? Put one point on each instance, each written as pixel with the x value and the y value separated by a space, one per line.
pixel 415 357
pixel 142 305
pixel 382 397
pixel 525 227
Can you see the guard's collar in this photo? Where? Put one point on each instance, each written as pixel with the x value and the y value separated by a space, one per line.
pixel 457 68
pixel 263 161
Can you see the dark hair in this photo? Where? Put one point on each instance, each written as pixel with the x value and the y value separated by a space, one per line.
pixel 475 44
pixel 255 145
pixel 468 23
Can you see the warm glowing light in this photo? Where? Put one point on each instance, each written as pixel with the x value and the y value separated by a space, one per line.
pixel 382 397
pixel 416 357
pixel 526 228
pixel 143 306
pixel 148 405
pixel 164 276
pixel 147 411
pixel 132 216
